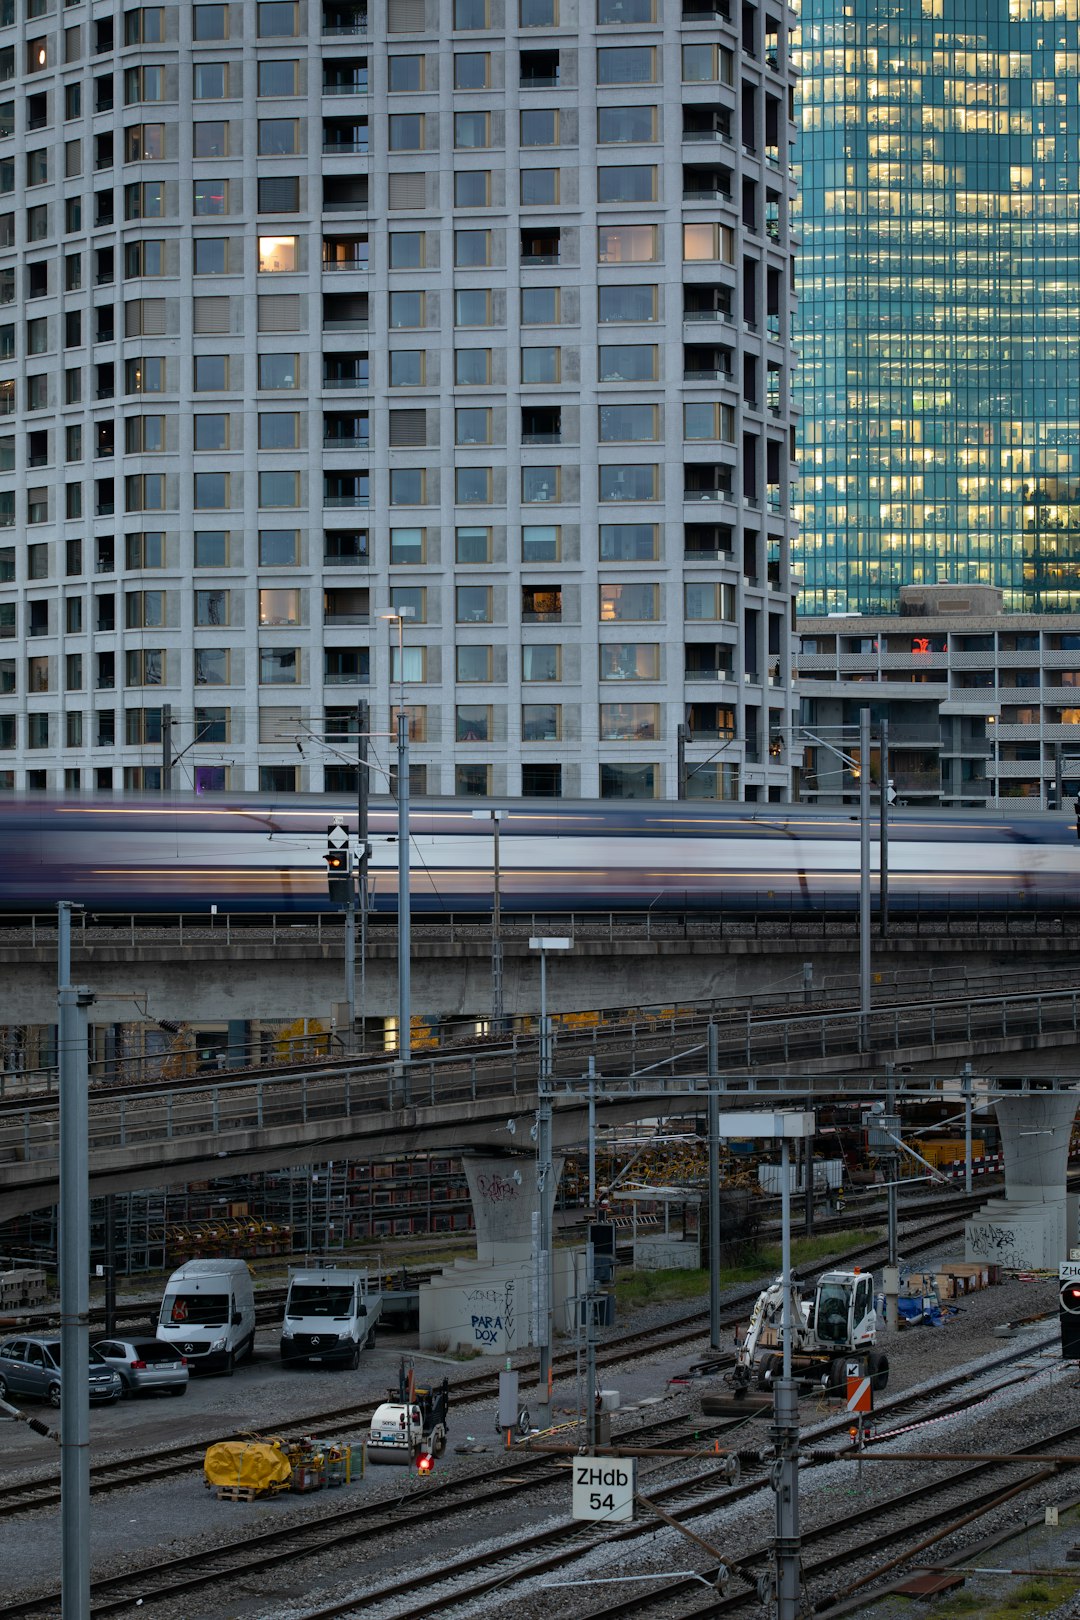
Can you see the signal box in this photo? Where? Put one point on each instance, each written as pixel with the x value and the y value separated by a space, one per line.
pixel 1069 1308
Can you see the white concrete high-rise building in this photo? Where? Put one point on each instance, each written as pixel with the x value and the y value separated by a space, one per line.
pixel 475 308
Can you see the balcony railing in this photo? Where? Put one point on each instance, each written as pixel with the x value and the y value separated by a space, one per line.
pixel 344 148
pixel 339 501
pixel 354 87
pixel 340 621
pixel 708 315
pixel 343 441
pixel 339 383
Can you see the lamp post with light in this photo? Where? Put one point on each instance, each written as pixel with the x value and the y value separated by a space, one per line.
pixel 404 912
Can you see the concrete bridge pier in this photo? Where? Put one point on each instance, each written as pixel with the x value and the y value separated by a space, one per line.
pixel 487 1304
pixel 1035 1225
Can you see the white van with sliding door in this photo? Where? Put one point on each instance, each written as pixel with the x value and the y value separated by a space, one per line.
pixel 208 1313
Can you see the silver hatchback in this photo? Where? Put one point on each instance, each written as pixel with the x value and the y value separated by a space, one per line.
pixel 144 1365
pixel 32 1367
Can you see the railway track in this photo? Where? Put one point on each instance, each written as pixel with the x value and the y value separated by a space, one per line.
pixel 162 1463
pixel 495 1483
pixel 555 1548
pixel 612 1023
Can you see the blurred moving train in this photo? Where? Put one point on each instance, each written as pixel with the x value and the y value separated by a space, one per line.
pixel 184 854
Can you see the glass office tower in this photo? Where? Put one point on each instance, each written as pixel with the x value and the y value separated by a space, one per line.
pixel 938 285
pixel 476 313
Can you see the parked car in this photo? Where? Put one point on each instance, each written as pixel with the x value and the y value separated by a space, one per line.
pixel 144 1365
pixel 32 1367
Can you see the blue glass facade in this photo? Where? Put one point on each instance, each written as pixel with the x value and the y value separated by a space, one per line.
pixel 939 284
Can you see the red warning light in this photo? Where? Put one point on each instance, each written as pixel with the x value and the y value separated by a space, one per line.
pixel 425 1462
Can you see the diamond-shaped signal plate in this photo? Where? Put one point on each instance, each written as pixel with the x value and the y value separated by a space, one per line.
pixel 337 836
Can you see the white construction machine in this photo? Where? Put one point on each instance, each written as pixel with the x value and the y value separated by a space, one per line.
pixel 834 1328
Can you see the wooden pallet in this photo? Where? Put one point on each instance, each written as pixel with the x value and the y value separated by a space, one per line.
pixel 236 1493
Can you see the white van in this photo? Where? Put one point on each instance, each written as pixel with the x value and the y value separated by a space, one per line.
pixel 329 1316
pixel 208 1313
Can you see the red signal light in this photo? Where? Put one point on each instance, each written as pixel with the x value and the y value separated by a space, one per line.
pixel 425 1462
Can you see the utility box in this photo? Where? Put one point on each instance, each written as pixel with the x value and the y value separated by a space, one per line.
pixel 1069 1308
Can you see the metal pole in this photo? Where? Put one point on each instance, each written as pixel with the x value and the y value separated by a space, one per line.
pixel 967 1129
pixel 350 962
pixel 363 855
pixel 545 1049
pixel 496 933
pixel 883 831
pixel 892 1311
pixel 74 1286
pixel 590 1350
pixel 681 737
pixel 404 915
pixel 714 1188
pixel 166 747
pixel 785 1432
pixel 110 1264
pixel 544 1173
pixel 864 879
pixel 1058 775
pixel 592 1136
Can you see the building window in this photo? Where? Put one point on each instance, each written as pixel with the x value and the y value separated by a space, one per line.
pixel 407 486
pixel 629 661
pixel 279 666
pixel 472 665
pixel 279 489
pixel 211 256
pixel 472 368
pixel 628 362
pixel 622 603
pixel 209 197
pixel 709 241
pixel 211 607
pixel 279 605
pixel 632 126
pixel 209 81
pixel 211 548
pixel 539 188
pixel 540 306
pixel 472 130
pixel 472 188
pixel 541 722
pixel 407 368
pixel 541 542
pixel 626 64
pixel 473 723
pixel 211 490
pixel 472 604
pixel 472 545
pixel 540 126
pixel 406 132
pixel 626 183
pixel 628 482
pixel 472 307
pixel 629 542
pixel 279 371
pixel 407 546
pixel 472 781
pixel 209 139
pixel 211 666
pixel 629 423
pixel 540 484
pixel 629 781
pixel 627 244
pixel 279 78
pixel 211 431
pixel 406 309
pixel 629 722
pixel 279 548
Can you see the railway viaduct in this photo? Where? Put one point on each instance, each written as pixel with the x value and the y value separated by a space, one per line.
pixel 277 969
pixel 487 1097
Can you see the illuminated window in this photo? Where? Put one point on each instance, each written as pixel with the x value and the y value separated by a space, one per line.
pixel 278 253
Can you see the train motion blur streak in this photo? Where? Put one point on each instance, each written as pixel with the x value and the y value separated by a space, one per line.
pixel 183 854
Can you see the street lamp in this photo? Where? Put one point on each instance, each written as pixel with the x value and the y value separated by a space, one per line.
pixel 544 1168
pixel 496 921
pixel 404 914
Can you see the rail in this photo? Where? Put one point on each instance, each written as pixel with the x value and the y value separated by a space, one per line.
pixel 636 1056
pixel 921 915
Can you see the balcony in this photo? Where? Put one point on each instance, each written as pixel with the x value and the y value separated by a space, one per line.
pixel 344 21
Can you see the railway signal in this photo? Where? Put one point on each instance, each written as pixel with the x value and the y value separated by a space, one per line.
pixel 339 882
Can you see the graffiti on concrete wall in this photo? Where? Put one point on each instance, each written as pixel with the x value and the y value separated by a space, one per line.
pixel 497 1189
pixel 493 1316
pixel 1001 1242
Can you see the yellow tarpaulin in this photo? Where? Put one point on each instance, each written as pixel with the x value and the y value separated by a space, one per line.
pixel 246 1462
